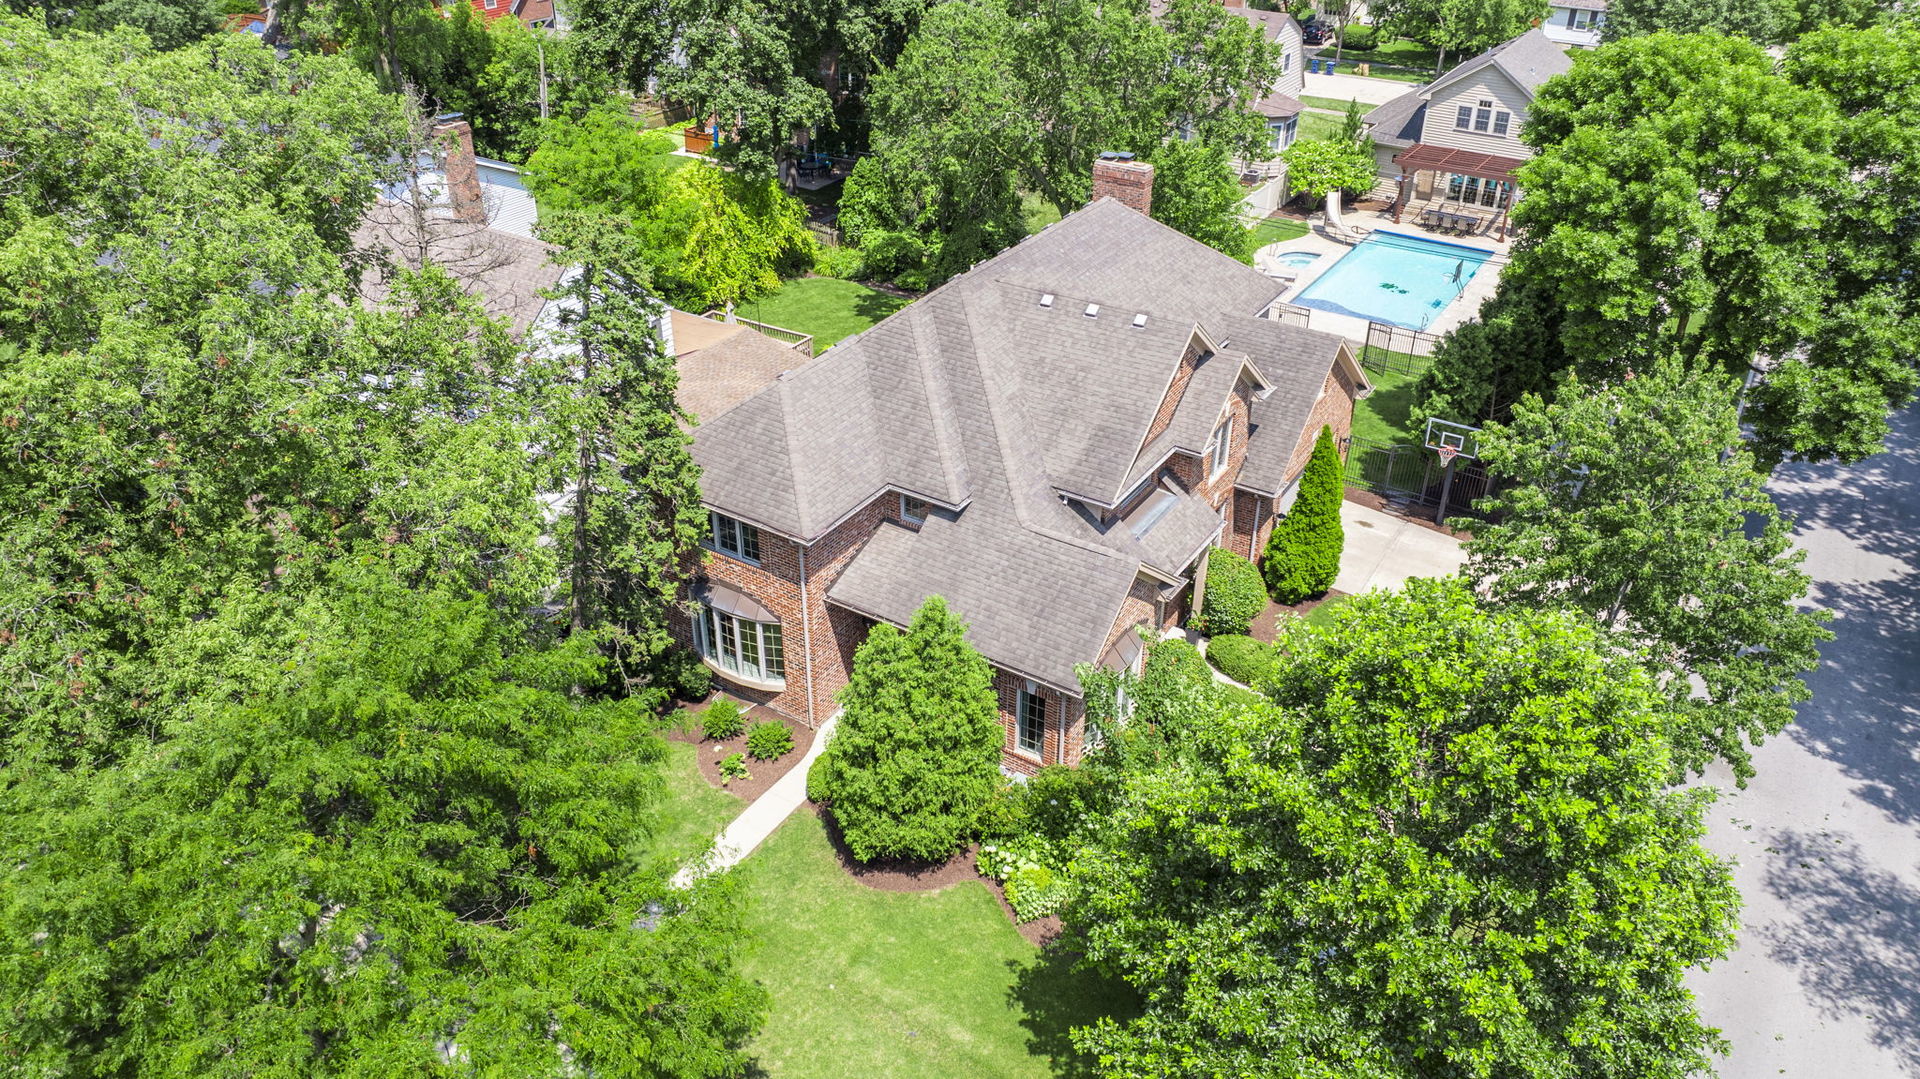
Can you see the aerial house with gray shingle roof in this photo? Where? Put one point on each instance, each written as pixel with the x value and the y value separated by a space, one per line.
pixel 1053 441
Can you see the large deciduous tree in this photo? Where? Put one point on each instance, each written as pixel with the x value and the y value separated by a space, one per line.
pixel 1461 27
pixel 1636 504
pixel 1447 847
pixel 917 753
pixel 388 841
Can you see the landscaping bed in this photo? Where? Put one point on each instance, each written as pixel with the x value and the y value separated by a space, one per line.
pixel 709 752
pixel 1266 625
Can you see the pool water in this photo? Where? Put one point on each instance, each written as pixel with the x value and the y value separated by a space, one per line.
pixel 1395 278
pixel 1295 258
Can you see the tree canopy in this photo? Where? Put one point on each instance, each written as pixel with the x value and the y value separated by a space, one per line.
pixel 1635 503
pixel 1446 846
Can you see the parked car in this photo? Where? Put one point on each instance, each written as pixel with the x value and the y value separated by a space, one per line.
pixel 1315 33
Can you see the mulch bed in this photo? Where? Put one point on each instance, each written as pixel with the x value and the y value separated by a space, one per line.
pixel 760 774
pixel 1420 515
pixel 909 876
pixel 1267 624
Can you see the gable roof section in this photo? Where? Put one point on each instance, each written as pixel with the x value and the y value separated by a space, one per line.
pixel 1398 122
pixel 1297 361
pixel 1527 61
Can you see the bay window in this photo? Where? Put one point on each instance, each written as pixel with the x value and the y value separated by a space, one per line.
pixel 753 650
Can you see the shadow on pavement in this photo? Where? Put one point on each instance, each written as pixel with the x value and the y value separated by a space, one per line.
pixel 1861 527
pixel 1854 938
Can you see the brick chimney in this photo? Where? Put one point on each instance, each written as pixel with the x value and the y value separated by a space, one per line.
pixel 1121 177
pixel 453 139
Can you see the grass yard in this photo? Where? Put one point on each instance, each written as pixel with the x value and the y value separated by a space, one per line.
pixel 1322 615
pixel 1333 104
pixel 1275 229
pixel 1320 125
pixel 691 811
pixel 1383 415
pixel 1038 211
pixel 871 983
pixel 1349 68
pixel 1402 52
pixel 826 307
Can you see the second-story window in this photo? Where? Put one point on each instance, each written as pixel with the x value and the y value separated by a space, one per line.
pixel 1483 118
pixel 737 538
pixel 913 510
pixel 1220 446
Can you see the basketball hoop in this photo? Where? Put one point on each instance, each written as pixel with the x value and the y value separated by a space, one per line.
pixel 1447 454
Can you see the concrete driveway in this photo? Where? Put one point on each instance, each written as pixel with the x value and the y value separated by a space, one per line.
pixel 1826 981
pixel 1354 87
pixel 1382 551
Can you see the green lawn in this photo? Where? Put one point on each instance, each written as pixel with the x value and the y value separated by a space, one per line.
pixel 1383 415
pixel 1038 211
pixel 1333 104
pixel 1348 68
pixel 1322 616
pixel 1320 125
pixel 826 307
pixel 692 812
pixel 1403 52
pixel 1275 229
pixel 871 984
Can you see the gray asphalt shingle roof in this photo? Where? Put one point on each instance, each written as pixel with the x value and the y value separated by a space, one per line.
pixel 976 396
pixel 1529 60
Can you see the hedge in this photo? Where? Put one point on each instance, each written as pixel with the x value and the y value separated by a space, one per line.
pixel 1242 659
pixel 1235 595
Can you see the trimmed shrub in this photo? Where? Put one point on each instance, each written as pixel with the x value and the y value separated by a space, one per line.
pixel 917 757
pixel 1235 595
pixel 722 720
pixel 1361 37
pixel 833 260
pixel 1242 659
pixel 1033 890
pixel 1177 661
pixel 732 767
pixel 1303 554
pixel 769 741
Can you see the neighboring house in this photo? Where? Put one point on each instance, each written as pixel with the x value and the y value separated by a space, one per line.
pixel 1457 139
pixel 1576 22
pixel 1266 181
pixel 1052 441
pixel 534 14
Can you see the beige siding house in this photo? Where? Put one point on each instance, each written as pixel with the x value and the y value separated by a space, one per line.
pixel 1450 147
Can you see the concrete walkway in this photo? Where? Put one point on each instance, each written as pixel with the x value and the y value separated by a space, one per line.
pixel 1382 551
pixel 1354 88
pixel 757 821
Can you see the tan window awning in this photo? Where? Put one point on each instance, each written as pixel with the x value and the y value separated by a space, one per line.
pixel 730 600
pixel 1426 156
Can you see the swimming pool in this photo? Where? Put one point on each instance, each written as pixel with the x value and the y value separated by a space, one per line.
pixel 1295 259
pixel 1395 278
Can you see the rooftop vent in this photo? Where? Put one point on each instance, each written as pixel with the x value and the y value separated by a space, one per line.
pixel 1140 320
pixel 1093 310
pixel 1046 299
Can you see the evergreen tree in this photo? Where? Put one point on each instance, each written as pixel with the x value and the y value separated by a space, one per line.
pixel 1637 504
pixel 633 524
pixel 917 752
pixel 1303 554
pixel 387 840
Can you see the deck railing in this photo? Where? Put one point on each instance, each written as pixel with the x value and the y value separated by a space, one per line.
pixel 799 342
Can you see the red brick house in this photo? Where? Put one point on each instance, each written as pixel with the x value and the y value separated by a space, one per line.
pixel 1053 441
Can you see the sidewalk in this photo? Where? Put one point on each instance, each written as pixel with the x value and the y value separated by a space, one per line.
pixel 757 821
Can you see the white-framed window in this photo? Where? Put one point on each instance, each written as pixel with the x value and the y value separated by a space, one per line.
pixel 1483 118
pixel 731 537
pixel 1582 19
pixel 1220 446
pixel 1463 119
pixel 1030 734
pixel 749 649
pixel 913 510
pixel 1284 131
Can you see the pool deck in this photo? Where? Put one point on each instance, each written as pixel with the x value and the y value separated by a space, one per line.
pixel 1463 308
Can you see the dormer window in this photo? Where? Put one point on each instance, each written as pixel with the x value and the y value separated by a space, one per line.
pixel 1219 447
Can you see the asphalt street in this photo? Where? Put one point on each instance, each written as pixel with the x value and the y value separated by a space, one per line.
pixel 1826 981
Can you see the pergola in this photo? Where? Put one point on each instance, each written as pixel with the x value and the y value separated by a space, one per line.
pixel 1425 157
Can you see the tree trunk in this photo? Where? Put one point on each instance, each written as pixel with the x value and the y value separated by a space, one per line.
pixel 1440 62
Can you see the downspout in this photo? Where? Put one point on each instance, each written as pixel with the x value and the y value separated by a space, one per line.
pixel 806 634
